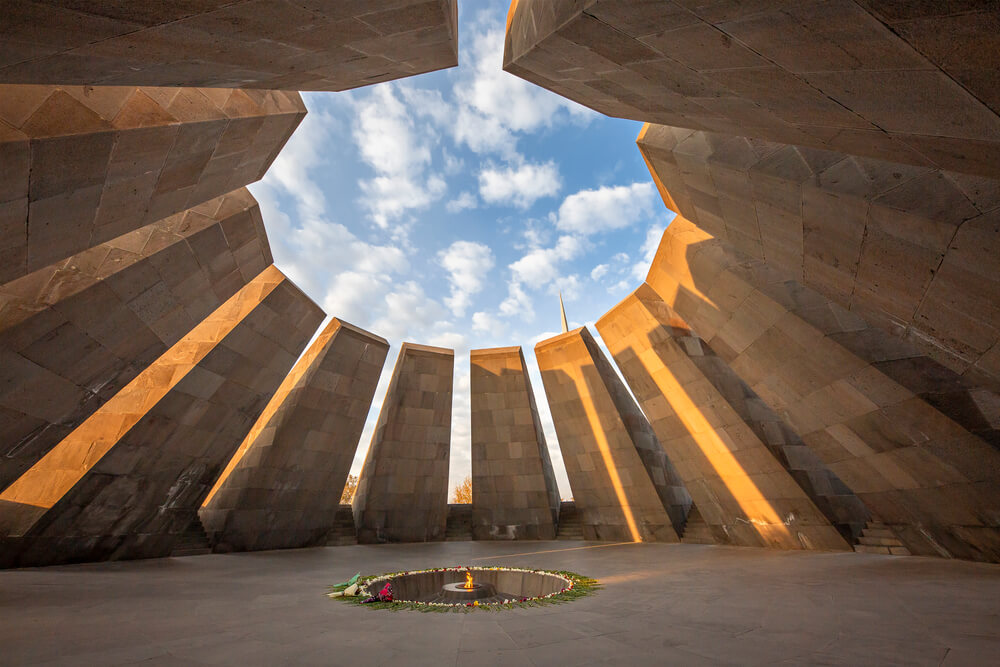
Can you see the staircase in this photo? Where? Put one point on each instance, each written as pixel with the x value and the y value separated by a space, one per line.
pixel 459 528
pixel 570 527
pixel 193 541
pixel 878 538
pixel 696 531
pixel 343 531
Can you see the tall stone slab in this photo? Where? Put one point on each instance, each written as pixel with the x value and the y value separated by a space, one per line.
pixel 911 250
pixel 128 481
pixel 304 45
pixel 402 495
pixel 753 480
pixel 76 332
pixel 80 166
pixel 282 488
pixel 624 486
pixel 514 492
pixel 915 469
pixel 904 82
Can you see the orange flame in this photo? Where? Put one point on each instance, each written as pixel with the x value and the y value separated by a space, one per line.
pixel 468 580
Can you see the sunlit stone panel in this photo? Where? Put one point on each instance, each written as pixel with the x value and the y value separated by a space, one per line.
pixel 624 486
pixel 910 82
pixel 274 44
pixel 282 488
pixel 912 250
pixel 80 166
pixel 130 478
pixel 754 482
pixel 514 492
pixel 402 494
pixel 76 332
pixel 930 479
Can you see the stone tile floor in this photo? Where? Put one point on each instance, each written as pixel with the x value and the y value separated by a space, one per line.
pixel 662 605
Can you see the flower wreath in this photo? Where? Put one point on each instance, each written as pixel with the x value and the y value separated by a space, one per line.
pixel 368 591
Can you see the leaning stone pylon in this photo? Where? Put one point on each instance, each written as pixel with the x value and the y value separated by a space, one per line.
pixel 754 485
pixel 282 488
pixel 84 165
pixel 624 487
pixel 402 494
pixel 514 492
pixel 936 484
pixel 76 332
pixel 128 481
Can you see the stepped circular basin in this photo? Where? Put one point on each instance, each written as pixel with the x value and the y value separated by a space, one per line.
pixel 489 585
pixel 462 592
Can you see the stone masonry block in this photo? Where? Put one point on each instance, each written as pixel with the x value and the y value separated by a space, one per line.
pixel 269 44
pixel 129 480
pixel 282 488
pixel 502 395
pixel 74 333
pixel 402 494
pixel 624 486
pixel 80 166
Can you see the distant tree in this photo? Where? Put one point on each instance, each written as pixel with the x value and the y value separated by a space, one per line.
pixel 349 489
pixel 463 492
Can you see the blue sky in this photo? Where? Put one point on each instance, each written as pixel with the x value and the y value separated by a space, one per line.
pixel 450 209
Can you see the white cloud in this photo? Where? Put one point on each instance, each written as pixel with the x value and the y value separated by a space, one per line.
pixel 606 208
pixel 408 311
pixel 541 265
pixel 490 107
pixel 486 323
pixel 569 286
pixel 389 140
pixel 517 303
pixel 468 264
pixel 519 186
pixel 647 251
pixel 598 271
pixel 452 165
pixel 451 339
pixel 500 101
pixel 464 201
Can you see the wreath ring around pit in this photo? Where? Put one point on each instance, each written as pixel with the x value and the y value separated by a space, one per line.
pixel 414 589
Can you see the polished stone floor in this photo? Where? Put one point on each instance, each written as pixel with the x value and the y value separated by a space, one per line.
pixel 662 605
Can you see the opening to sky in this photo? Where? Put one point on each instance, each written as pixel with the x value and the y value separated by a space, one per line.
pixel 451 208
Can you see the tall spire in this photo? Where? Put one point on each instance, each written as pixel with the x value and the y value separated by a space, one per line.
pixel 562 311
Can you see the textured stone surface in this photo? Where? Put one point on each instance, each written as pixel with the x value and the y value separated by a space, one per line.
pixel 753 480
pixel 911 82
pixel 282 488
pixel 623 484
pixel 662 604
pixel 514 492
pixel 402 494
pixel 131 477
pixel 81 165
pixel 915 251
pixel 74 333
pixel 917 470
pixel 275 44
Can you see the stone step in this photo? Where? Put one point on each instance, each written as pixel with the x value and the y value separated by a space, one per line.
pixel 696 531
pixel 180 552
pixel 884 533
pixel 343 532
pixel 879 541
pixel 878 538
pixel 193 541
pixel 570 527
pixel 869 549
